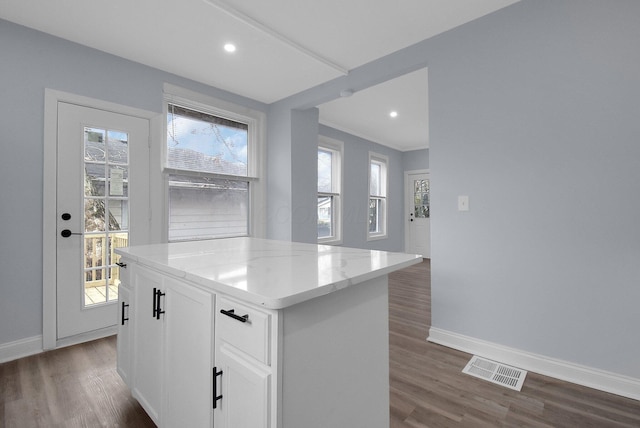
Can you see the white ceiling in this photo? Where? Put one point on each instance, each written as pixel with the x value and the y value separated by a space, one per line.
pixel 284 46
pixel 366 113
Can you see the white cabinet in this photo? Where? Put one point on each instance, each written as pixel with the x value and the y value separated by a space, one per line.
pixel 123 342
pixel 244 390
pixel 172 353
pixel 148 339
pixel 188 356
pixel 276 368
pixel 246 383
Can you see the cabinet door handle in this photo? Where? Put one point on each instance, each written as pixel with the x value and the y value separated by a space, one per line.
pixel 123 319
pixel 216 397
pixel 155 302
pixel 158 310
pixel 231 313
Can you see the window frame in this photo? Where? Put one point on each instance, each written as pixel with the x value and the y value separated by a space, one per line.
pixel 383 162
pixel 256 135
pixel 336 148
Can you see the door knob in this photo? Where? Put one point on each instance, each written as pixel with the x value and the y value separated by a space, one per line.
pixel 67 233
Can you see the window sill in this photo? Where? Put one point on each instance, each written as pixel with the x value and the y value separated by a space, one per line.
pixel 329 241
pixel 376 237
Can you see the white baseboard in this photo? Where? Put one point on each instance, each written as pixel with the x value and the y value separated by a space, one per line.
pixel 87 337
pixel 20 348
pixel 33 345
pixel 587 376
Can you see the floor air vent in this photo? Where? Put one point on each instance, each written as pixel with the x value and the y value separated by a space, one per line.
pixel 497 373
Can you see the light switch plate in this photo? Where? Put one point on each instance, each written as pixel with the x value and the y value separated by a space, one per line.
pixel 463 203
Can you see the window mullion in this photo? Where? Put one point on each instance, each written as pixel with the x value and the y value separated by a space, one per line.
pixel 204 174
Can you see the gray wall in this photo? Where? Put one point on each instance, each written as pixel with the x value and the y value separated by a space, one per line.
pixel 534 114
pixel 415 160
pixel 304 174
pixel 279 158
pixel 32 61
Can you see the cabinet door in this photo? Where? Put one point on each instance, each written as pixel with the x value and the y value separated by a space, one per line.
pixel 188 357
pixel 147 342
pixel 244 387
pixel 123 341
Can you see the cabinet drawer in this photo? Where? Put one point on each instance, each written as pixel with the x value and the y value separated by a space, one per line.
pixel 251 336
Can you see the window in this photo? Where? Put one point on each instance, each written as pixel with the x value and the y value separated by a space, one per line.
pixel 211 166
pixel 377 224
pixel 329 190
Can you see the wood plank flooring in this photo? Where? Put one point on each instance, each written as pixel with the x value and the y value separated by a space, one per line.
pixel 428 388
pixel 70 387
pixel 78 386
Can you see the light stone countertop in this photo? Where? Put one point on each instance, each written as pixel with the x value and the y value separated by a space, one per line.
pixel 273 274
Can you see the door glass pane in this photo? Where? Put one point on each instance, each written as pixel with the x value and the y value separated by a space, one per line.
pixel 94 149
pixel 119 181
pixel 116 240
pixel 118 214
pixel 94 178
pixel 95 290
pixel 325 216
pixel 118 147
pixel 94 215
pixel 421 198
pixel 105 211
pixel 94 254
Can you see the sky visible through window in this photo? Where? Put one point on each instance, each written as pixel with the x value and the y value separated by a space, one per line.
pixel 215 140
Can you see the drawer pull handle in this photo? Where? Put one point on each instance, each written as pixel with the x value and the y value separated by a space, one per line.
pixel 231 313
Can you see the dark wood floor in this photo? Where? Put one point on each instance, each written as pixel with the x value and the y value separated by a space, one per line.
pixel 79 387
pixel 429 390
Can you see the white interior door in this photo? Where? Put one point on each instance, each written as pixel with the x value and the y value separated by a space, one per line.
pixel 418 232
pixel 102 203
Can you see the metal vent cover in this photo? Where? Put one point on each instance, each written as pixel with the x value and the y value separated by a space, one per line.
pixel 495 372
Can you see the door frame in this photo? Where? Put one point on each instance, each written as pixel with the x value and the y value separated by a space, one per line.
pixel 49 204
pixel 408 197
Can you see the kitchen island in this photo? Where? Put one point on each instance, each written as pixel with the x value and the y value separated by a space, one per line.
pixel 247 332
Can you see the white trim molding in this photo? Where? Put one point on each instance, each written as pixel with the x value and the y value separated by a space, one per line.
pixel 20 348
pixel 602 380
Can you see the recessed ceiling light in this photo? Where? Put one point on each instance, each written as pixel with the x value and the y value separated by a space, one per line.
pixel 230 47
pixel 393 114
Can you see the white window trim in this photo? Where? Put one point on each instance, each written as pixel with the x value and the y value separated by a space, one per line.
pixel 337 147
pixel 257 159
pixel 384 160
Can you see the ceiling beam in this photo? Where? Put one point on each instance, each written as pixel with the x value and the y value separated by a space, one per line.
pixel 257 25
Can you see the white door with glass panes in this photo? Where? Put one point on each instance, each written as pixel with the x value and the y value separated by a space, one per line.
pixel 418 229
pixel 102 204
